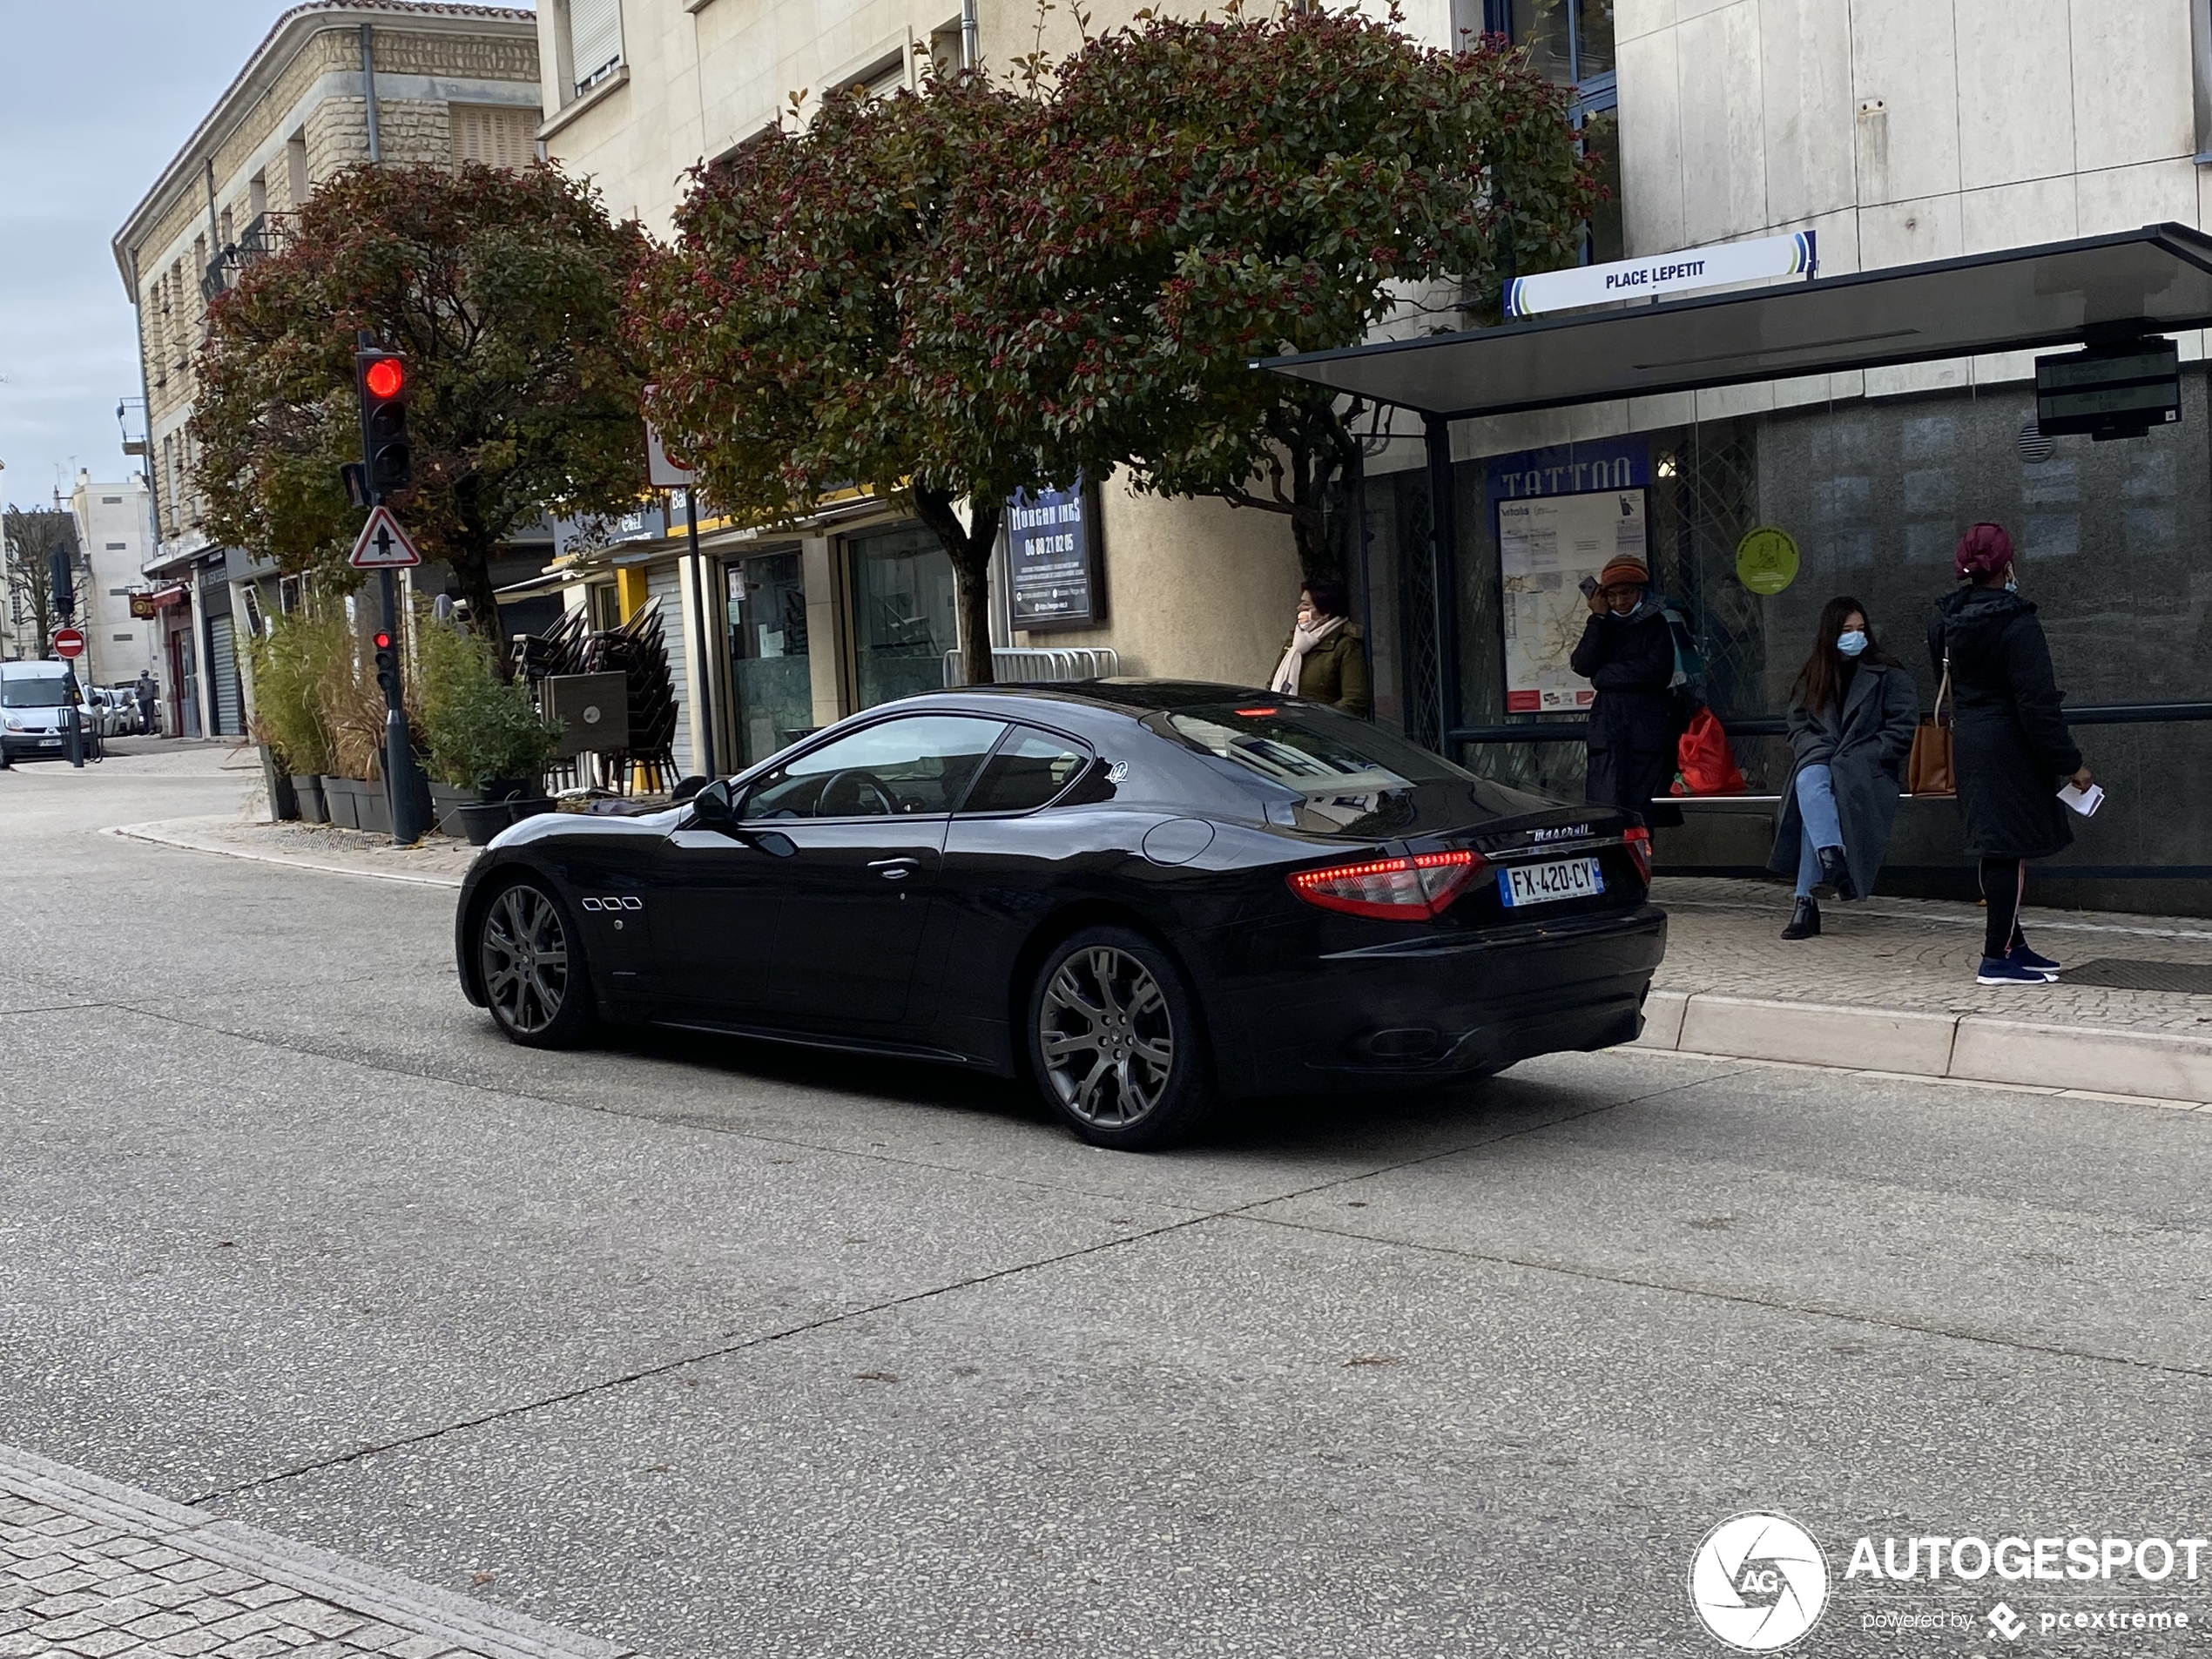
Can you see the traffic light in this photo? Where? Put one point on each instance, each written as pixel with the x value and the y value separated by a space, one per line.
pixel 387 665
pixel 385 451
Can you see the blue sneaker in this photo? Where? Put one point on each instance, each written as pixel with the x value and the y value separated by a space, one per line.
pixel 2022 956
pixel 2001 970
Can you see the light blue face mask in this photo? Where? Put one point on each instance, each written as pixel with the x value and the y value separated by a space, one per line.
pixel 2012 584
pixel 1851 644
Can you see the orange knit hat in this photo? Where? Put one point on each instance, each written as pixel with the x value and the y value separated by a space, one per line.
pixel 1624 573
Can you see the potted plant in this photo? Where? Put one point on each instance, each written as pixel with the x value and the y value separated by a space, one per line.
pixel 352 708
pixel 488 743
pixel 287 664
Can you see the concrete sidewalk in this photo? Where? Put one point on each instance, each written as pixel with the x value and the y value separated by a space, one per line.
pixel 1889 987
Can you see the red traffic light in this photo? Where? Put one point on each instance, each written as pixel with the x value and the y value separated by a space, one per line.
pixel 383 642
pixel 387 377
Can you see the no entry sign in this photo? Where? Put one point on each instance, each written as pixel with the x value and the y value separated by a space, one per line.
pixel 69 644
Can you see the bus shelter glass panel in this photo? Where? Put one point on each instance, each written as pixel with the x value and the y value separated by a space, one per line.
pixel 770 677
pixel 904 616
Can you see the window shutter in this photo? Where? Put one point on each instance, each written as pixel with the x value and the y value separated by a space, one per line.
pixel 494 135
pixel 594 38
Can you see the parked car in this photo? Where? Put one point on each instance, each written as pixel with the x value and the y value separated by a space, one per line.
pixel 32 697
pixel 1140 894
pixel 112 714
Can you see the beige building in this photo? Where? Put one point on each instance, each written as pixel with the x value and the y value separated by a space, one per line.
pixel 115 530
pixel 334 83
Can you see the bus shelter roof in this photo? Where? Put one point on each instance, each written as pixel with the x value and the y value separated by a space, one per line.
pixel 2157 280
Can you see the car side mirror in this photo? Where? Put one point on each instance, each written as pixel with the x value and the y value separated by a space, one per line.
pixel 712 809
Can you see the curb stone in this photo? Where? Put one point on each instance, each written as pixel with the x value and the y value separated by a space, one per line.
pixel 163 834
pixel 1967 1048
pixel 456 1621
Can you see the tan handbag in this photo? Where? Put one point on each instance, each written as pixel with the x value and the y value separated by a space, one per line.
pixel 1929 771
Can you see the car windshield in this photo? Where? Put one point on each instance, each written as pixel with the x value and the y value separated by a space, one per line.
pixel 43 692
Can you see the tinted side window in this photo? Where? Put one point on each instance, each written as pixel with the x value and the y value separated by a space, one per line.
pixel 917 764
pixel 1030 769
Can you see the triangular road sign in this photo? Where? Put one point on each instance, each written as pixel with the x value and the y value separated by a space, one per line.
pixel 382 544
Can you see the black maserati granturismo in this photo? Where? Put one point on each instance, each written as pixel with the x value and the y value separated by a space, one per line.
pixel 1140 894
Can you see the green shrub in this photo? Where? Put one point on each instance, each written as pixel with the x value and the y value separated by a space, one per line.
pixel 289 664
pixel 476 727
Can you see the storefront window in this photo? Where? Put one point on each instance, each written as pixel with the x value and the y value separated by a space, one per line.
pixel 770 677
pixel 904 616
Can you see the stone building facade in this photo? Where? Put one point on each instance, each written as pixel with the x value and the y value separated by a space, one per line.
pixel 450 83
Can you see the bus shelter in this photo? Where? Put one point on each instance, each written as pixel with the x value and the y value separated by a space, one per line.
pixel 1772 448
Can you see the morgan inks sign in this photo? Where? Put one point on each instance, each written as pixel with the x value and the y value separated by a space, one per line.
pixel 1055 577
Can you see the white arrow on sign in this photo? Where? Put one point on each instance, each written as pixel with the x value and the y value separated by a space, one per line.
pixel 382 544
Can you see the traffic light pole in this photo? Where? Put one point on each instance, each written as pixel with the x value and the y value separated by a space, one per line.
pixel 406 794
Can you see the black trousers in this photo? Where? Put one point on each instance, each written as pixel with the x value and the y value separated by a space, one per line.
pixel 2003 883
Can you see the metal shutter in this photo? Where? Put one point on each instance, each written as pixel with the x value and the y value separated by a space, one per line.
pixel 594 38
pixel 222 648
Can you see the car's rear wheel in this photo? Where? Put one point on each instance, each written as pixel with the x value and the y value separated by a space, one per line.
pixel 1116 1041
pixel 532 963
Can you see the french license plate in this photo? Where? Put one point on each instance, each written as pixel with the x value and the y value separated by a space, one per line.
pixel 50 743
pixel 1519 884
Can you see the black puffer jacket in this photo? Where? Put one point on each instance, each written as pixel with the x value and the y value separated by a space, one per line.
pixel 1635 720
pixel 2011 744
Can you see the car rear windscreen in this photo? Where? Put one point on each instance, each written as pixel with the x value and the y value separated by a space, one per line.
pixel 1310 749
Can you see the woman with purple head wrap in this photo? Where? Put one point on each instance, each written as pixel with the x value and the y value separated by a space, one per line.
pixel 2011 748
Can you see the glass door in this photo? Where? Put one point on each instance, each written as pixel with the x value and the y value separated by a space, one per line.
pixel 904 616
pixel 771 681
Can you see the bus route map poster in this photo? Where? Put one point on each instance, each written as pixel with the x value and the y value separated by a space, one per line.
pixel 1546 546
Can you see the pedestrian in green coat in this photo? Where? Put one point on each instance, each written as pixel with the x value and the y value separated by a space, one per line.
pixel 1325 658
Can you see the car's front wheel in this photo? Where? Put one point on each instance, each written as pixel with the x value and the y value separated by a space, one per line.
pixel 532 964
pixel 1116 1041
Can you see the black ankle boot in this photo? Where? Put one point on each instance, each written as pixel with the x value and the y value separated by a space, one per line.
pixel 1805 920
pixel 1835 869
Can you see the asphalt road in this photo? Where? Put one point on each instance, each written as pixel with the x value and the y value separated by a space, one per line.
pixel 718 1350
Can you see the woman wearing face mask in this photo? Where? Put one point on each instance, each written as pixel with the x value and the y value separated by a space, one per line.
pixel 2010 746
pixel 1852 714
pixel 1323 659
pixel 1627 653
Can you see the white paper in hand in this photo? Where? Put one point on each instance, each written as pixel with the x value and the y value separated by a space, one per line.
pixel 2084 801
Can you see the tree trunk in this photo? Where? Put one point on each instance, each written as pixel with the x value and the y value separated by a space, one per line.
pixel 969 548
pixel 472 565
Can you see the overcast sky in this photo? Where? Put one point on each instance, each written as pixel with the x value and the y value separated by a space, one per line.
pixel 97 97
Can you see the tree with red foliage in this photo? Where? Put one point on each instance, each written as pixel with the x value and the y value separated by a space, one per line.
pixel 503 290
pixel 1200 193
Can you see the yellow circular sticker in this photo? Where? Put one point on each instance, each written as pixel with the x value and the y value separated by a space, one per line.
pixel 1766 559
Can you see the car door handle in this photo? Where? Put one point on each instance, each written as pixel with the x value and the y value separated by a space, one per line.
pixel 894 869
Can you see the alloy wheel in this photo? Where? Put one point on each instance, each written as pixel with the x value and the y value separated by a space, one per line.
pixel 1107 1037
pixel 525 961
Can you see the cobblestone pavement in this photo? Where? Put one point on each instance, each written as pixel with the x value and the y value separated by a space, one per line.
pixel 1918 956
pixel 93 1570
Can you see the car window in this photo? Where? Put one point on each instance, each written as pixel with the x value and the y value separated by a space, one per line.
pixel 1316 751
pixel 920 763
pixel 1030 769
pixel 44 691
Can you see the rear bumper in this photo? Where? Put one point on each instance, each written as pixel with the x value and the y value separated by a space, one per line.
pixel 1428 1012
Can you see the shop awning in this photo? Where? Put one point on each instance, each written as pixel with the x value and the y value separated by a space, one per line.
pixel 2159 279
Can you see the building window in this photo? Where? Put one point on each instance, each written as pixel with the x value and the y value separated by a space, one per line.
pixel 1571 42
pixel 493 136
pixel 594 40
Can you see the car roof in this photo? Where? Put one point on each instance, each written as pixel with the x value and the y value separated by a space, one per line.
pixel 1132 697
pixel 34 671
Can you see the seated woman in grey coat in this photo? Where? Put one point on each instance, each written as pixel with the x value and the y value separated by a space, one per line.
pixel 1852 713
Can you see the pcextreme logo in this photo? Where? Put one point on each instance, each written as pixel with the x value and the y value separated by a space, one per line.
pixel 1759 1582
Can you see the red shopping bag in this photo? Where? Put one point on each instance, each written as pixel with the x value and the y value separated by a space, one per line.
pixel 1707 764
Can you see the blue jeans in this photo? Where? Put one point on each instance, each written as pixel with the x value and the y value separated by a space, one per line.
pixel 1819 826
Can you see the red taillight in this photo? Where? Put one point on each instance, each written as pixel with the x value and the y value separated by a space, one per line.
pixel 1639 840
pixel 1407 889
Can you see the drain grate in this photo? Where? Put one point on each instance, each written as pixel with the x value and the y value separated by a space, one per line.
pixel 2122 974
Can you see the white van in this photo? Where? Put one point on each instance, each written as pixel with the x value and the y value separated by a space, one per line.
pixel 32 697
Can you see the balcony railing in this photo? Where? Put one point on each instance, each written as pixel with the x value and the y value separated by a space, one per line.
pixel 267 234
